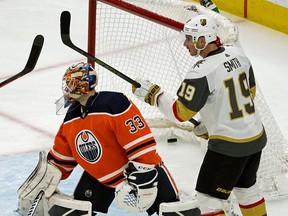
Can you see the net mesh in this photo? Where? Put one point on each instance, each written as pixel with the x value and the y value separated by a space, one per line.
pixel 139 47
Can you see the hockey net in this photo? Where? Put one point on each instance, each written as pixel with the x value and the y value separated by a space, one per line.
pixel 142 38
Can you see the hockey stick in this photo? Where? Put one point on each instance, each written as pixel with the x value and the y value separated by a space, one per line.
pixel 65 21
pixel 35 203
pixel 194 121
pixel 32 60
pixel 65 36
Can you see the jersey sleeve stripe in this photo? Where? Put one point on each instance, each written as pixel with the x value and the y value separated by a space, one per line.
pixel 143 145
pixel 112 175
pixel 137 141
pixel 61 167
pixel 51 157
pixel 115 181
pixel 62 157
pixel 175 112
pixel 152 148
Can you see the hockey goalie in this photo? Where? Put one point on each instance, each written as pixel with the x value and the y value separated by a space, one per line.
pixel 119 159
pixel 39 195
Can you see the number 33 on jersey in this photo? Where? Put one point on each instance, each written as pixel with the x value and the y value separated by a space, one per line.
pixel 113 132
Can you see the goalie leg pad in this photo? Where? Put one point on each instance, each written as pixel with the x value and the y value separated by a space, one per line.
pixel 44 177
pixel 60 204
pixel 31 207
pixel 189 208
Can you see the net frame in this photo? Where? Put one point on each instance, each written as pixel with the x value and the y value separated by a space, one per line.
pixel 272 174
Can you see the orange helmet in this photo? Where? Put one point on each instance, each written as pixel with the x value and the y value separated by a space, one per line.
pixel 78 80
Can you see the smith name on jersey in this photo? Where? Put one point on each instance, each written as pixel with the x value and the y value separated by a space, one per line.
pixel 221 87
pixel 102 137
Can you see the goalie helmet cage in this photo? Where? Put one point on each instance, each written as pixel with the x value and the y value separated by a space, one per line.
pixel 141 38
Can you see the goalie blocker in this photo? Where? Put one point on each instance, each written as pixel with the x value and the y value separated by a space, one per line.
pixel 45 178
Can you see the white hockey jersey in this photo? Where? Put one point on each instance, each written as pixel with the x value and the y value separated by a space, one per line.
pixel 221 87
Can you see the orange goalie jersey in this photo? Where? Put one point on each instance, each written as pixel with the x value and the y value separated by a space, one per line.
pixel 101 137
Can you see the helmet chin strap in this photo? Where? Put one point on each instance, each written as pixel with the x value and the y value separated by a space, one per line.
pixel 199 49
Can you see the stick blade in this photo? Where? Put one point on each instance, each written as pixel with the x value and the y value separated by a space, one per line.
pixel 65 20
pixel 32 60
pixel 35 52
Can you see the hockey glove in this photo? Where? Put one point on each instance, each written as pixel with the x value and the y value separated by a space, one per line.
pixel 139 190
pixel 209 4
pixel 148 92
pixel 201 131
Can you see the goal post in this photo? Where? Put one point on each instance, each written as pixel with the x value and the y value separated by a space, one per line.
pixel 91 29
pixel 142 38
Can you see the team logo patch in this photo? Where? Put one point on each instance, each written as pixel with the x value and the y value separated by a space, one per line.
pixel 203 22
pixel 88 146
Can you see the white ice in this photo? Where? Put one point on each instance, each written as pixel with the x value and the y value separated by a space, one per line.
pixel 27 112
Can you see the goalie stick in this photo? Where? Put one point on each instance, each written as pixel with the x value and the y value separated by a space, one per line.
pixel 66 39
pixel 32 60
pixel 35 203
pixel 65 36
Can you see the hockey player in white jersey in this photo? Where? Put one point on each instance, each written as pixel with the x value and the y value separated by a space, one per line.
pixel 220 87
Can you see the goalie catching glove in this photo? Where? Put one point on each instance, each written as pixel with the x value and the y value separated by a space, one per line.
pixel 148 92
pixel 138 191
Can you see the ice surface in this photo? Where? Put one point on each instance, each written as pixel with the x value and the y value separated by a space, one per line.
pixel 27 112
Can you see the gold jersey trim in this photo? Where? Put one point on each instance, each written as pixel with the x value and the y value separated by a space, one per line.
pixel 230 139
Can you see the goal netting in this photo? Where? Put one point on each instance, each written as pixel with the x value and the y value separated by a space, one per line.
pixel 142 38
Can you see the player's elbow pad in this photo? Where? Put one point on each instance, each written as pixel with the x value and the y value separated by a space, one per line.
pixel 165 105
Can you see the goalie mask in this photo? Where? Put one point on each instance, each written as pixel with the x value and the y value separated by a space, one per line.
pixel 201 25
pixel 78 80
